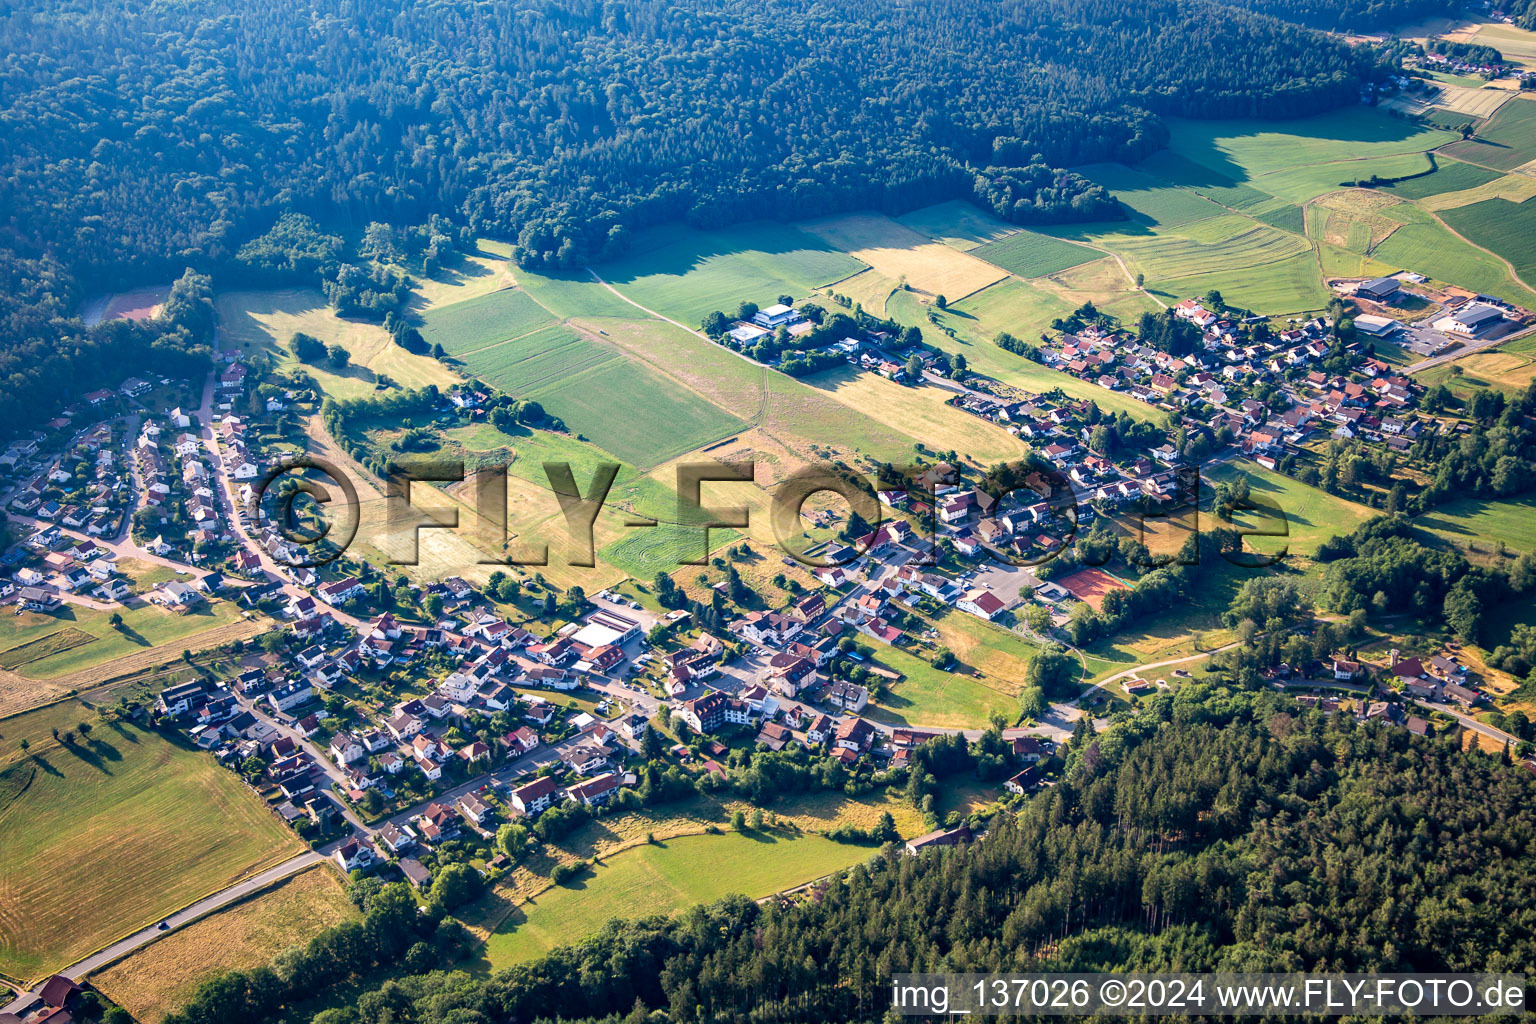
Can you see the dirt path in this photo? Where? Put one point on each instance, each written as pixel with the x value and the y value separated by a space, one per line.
pixel 759 419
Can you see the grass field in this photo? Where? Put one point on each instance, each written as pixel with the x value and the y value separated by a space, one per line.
pixel 1517 188
pixel 531 361
pixel 665 878
pixel 1518 45
pixel 685 274
pixel 1155 202
pixel 144 626
pixel 623 405
pixel 964 698
pixel 921 412
pixel 1289 285
pixel 264 321
pixel 475 323
pixel 898 252
pixel 1025 310
pixel 1312 515
pixel 160 977
pixel 478 273
pixel 1484 522
pixel 1471 98
pixel 1252 152
pixel 1507 141
pixel 1507 228
pixel 957 223
pixel 635 413
pixel 43 647
pixel 1028 254
pixel 102 817
pixel 1426 246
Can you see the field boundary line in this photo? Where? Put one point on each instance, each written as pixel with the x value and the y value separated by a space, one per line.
pixel 244 898
pixel 505 341
pixel 761 414
pixel 848 277
pixel 245 877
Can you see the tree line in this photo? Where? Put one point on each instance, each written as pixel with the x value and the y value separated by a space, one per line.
pixel 142 140
pixel 1187 837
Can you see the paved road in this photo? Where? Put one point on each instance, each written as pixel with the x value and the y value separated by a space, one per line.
pixel 180 919
pixel 1467 348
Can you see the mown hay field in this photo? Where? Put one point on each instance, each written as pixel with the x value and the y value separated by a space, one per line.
pixel 112 832
pixel 159 978
pixel 898 252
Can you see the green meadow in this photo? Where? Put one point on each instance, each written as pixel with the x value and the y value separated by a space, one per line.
pixel 664 878
pixel 475 323
pixel 1028 254
pixel 144 626
pixel 635 413
pixel 1484 522
pixel 1449 176
pixel 1505 142
pixel 1507 228
pixel 84 825
pixel 685 274
pixel 1312 515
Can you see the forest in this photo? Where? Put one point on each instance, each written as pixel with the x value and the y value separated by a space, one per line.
pixel 1223 828
pixel 142 139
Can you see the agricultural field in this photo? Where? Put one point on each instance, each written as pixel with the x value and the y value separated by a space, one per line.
pixel 573 293
pixel 1507 228
pixel 1484 522
pixel 621 404
pixel 1312 515
pixel 533 360
pixel 1509 366
pixel 1425 245
pixel 1154 202
pixel 1028 254
pixel 1348 143
pixel 686 274
pixel 1518 45
pixel 481 322
pixel 958 224
pixel 898 252
pixel 1353 219
pixel 714 371
pixel 476 274
pixel 1507 141
pixel 1251 264
pixel 634 412
pixel 921 412
pixel 60 649
pixel 665 878
pixel 1482 184
pixel 160 977
pixel 83 825
pixel 1473 100
pixel 263 322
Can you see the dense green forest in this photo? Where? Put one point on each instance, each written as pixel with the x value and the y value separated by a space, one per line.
pixel 1351 15
pixel 139 139
pixel 1219 829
